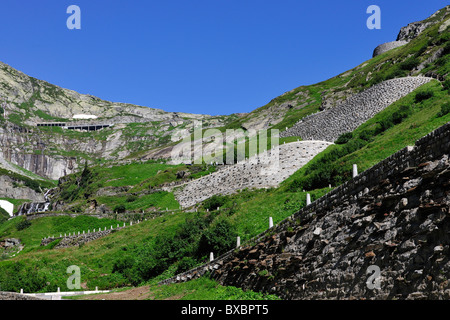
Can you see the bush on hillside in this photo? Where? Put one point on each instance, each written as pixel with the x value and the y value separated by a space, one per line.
pixel 446 84
pixel 150 259
pixel 385 124
pixel 119 208
pixel 446 48
pixel 445 109
pixel 402 113
pixel 18 276
pixel 409 63
pixel 216 201
pixel 24 224
pixel 185 264
pixel 218 239
pixel 423 95
pixel 344 138
pixel 367 134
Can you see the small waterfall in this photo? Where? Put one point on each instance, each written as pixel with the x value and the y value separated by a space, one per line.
pixel 46 198
pixel 36 207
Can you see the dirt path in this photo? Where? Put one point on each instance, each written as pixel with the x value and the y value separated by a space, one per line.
pixel 141 293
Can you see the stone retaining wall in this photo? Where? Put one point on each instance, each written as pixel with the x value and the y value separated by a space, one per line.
pixel 78 239
pixel 328 125
pixel 264 171
pixel 385 47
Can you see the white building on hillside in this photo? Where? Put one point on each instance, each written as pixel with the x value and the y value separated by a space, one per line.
pixel 84 116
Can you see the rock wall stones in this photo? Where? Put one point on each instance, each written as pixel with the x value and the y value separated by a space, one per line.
pixel 328 125
pixel 263 171
pixel 394 216
pixel 76 240
pixel 385 47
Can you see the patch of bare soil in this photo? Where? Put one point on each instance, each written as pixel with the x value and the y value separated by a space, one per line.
pixel 140 293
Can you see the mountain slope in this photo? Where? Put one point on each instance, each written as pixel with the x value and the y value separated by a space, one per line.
pixel 176 240
pixel 53 152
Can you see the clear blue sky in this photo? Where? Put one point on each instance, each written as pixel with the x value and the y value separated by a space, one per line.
pixel 196 56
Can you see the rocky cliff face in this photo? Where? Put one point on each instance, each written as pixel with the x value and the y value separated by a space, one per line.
pixel 9 189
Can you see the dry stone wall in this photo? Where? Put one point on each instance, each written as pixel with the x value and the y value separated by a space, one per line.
pixel 394 217
pixel 266 170
pixel 78 239
pixel 328 125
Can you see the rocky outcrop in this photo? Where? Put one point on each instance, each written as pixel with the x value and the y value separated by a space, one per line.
pixel 414 29
pixel 328 125
pixel 382 235
pixel 266 170
pixel 9 188
pixel 28 149
pixel 9 243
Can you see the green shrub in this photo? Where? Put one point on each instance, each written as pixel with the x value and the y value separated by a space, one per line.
pixel 446 85
pixel 396 72
pixel 218 239
pixel 295 186
pixel 23 224
pixel 185 264
pixel 151 259
pixel 445 109
pixel 409 63
pixel 123 264
pixel 402 113
pixel 119 208
pixel 367 134
pixel 344 138
pixel 423 95
pixel 385 124
pixel 214 202
pixel 77 208
pixel 18 276
pixel 446 48
pixel 131 198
